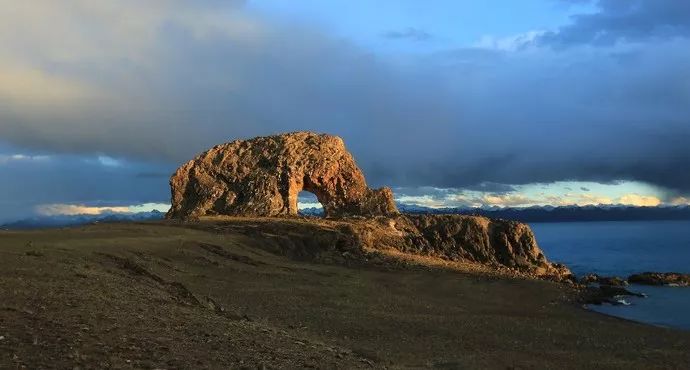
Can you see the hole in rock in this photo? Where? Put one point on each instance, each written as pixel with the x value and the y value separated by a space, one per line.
pixel 308 205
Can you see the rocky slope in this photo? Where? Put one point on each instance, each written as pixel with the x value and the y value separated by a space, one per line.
pixel 498 244
pixel 264 175
pixel 477 239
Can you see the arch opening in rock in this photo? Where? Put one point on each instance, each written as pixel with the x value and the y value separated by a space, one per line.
pixel 308 204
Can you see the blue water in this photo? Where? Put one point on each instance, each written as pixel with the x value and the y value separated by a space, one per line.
pixel 621 249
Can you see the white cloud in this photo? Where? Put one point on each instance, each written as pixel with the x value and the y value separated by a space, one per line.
pixel 578 199
pixel 80 209
pixel 148 207
pixel 108 161
pixel 73 209
pixel 304 205
pixel 7 158
pixel 422 200
pixel 466 198
pixel 680 201
pixel 508 43
pixel 639 200
pixel 506 200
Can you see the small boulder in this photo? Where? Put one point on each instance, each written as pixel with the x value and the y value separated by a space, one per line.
pixel 612 281
pixel 609 294
pixel 589 279
pixel 618 291
pixel 603 280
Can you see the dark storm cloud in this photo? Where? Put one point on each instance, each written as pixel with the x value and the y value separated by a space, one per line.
pixel 410 33
pixel 491 187
pixel 626 20
pixel 431 192
pixel 177 81
pixel 30 180
pixel 577 114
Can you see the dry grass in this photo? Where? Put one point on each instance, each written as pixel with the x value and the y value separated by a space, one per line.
pixel 165 296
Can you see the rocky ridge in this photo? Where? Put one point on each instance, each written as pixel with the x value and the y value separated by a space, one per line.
pixel 504 247
pixel 646 278
pixel 498 243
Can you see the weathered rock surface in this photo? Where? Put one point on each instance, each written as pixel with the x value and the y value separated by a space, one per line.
pixel 660 278
pixel 603 280
pixel 589 279
pixel 263 177
pixel 469 238
pixel 494 243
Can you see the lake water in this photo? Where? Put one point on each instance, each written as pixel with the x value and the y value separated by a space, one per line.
pixel 621 249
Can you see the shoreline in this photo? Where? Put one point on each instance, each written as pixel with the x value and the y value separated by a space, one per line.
pixel 587 307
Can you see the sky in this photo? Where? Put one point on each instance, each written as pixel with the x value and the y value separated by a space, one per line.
pixel 450 103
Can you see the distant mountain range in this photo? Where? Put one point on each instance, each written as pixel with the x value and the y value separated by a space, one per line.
pixel 531 214
pixel 41 222
pixel 552 214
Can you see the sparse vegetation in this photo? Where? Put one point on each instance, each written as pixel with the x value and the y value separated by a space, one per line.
pixel 168 296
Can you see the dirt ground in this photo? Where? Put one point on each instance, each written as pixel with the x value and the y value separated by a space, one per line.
pixel 167 296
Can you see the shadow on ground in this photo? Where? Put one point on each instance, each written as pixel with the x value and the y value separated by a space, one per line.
pixel 213 296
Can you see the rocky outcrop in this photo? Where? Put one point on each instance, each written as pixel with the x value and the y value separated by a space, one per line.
pixel 660 278
pixel 472 238
pixel 499 244
pixel 477 239
pixel 603 280
pixel 469 238
pixel 609 294
pixel 263 176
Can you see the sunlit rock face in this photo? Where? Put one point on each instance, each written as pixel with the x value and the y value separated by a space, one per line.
pixel 263 177
pixel 477 239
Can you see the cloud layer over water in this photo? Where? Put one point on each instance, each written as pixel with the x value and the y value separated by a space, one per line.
pixel 604 98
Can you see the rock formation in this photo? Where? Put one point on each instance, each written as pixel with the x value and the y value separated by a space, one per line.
pixel 478 239
pixel 463 238
pixel 602 280
pixel 263 176
pixel 459 238
pixel 660 278
pixel 609 294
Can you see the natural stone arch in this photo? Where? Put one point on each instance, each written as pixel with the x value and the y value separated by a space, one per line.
pixel 305 185
pixel 263 177
pixel 307 202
